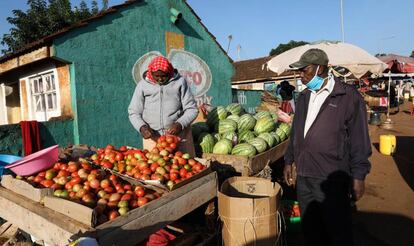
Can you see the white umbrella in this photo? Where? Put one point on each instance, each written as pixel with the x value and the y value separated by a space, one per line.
pixel 349 56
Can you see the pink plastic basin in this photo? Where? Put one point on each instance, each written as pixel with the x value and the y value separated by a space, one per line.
pixel 35 162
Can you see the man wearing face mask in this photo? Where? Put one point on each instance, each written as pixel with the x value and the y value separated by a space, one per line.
pixel 162 104
pixel 330 147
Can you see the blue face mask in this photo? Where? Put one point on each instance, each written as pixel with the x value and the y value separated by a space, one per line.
pixel 316 82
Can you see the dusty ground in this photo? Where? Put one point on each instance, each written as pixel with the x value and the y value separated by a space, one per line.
pixel 385 215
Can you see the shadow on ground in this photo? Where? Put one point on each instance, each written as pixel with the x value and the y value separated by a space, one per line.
pixel 404 158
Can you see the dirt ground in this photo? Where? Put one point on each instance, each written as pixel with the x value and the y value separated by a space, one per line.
pixel 385 215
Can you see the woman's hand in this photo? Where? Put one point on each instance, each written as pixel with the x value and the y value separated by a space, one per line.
pixel 146 131
pixel 175 129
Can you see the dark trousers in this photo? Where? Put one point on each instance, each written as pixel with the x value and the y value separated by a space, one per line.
pixel 325 210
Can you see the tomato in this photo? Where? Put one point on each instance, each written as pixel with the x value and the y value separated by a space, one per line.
pixel 126 197
pixel 64 167
pixel 57 166
pixel 75 175
pixel 142 201
pixel 109 190
pixel 73 167
pixel 173 146
pixel 164 144
pixel 146 171
pixel 191 162
pixel 189 175
pixel 56 186
pixel 166 176
pixel 38 179
pixel 145 177
pixel 123 148
pixel 197 167
pixel 173 176
pixel 113 178
pixel 137 175
pixel 170 139
pixel 133 204
pixel 182 161
pixel 118 187
pixel 94 183
pixel 161 139
pixel 109 146
pixel 107 164
pixel 178 153
pixel 127 187
pixel 47 183
pixel 183 172
pixel 139 191
pixel 113 214
pixel 119 157
pixel 154 167
pixel 86 166
pixel 105 184
pixel 63 173
pixel 68 186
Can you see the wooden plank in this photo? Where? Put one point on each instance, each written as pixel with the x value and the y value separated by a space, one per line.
pixel 9 64
pixel 53 227
pixel 64 88
pixel 24 103
pixel 249 166
pixel 139 224
pixel 72 209
pixel 25 189
pixel 33 56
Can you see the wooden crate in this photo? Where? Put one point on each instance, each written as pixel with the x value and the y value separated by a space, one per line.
pixel 25 189
pixel 248 166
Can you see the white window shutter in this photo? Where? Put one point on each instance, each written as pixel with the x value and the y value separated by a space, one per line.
pixel 3 108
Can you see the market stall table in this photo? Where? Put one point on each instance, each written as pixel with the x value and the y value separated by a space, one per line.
pixel 58 229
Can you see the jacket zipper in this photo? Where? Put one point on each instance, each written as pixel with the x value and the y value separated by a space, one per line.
pixel 161 110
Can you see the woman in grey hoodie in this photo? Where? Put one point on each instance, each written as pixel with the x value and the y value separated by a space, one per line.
pixel 163 104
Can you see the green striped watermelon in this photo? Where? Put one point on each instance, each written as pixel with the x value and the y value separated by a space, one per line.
pixel 259 144
pixel 245 136
pixel 281 134
pixel 262 114
pixel 234 109
pixel 207 142
pixel 224 147
pixel 218 113
pixel 232 136
pixel 270 140
pixel 285 127
pixel 234 117
pixel 244 149
pixel 246 123
pixel 277 138
pixel 274 116
pixel 265 124
pixel 227 125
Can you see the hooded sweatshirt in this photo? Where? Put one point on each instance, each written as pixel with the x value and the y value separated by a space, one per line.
pixel 160 105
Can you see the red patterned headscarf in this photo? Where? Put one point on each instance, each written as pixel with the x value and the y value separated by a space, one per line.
pixel 159 63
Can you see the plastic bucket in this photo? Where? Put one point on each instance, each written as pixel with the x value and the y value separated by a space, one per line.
pixel 6 160
pixel 388 144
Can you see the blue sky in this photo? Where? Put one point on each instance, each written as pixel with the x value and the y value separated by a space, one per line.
pixel 258 26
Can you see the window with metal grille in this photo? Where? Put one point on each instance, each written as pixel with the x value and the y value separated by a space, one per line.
pixel 43 90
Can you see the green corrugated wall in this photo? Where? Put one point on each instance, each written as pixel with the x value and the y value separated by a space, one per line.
pixel 104 51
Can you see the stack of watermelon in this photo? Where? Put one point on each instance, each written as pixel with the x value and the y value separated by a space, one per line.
pixel 229 130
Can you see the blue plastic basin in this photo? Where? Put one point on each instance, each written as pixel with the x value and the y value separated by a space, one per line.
pixel 6 160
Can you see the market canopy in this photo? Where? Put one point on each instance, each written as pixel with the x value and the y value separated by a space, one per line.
pixel 356 60
pixel 398 64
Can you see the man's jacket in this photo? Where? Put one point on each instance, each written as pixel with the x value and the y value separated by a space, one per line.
pixel 159 106
pixel 338 139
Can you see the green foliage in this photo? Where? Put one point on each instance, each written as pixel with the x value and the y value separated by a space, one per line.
pixel 43 18
pixel 412 54
pixel 284 47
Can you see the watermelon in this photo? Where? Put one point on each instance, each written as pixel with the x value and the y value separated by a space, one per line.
pixel 233 117
pixel 262 114
pixel 234 109
pixel 274 116
pixel 218 113
pixel 246 123
pixel 207 142
pixel 232 136
pixel 285 127
pixel 270 140
pixel 265 124
pixel 281 134
pixel 244 149
pixel 245 136
pixel 224 147
pixel 227 125
pixel 259 143
pixel 277 138
pixel 198 128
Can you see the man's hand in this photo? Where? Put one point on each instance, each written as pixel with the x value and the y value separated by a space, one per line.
pixel 289 174
pixel 146 131
pixel 358 189
pixel 175 129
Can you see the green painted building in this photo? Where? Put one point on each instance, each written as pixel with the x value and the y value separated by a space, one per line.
pixel 86 72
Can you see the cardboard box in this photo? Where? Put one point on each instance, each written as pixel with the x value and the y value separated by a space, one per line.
pixel 248 210
pixel 25 189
